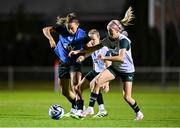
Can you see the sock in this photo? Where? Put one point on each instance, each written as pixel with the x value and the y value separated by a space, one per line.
pixel 80 104
pixel 74 104
pixel 92 100
pixel 135 107
pixel 101 107
pixel 100 99
pixel 72 110
pixel 90 110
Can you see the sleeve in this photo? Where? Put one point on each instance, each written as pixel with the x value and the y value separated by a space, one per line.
pixel 105 51
pixel 104 42
pixel 124 44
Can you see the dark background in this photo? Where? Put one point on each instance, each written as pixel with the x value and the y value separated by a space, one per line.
pixel 22 42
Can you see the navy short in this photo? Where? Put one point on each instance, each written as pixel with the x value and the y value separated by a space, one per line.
pixel 125 77
pixel 64 70
pixel 91 75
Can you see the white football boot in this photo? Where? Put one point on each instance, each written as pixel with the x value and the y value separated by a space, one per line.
pixel 139 116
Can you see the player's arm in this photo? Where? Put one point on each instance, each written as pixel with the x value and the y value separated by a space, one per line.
pixel 119 58
pixel 47 32
pixel 124 46
pixel 107 63
pixel 82 57
pixel 87 50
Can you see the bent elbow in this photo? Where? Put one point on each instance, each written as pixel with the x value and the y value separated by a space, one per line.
pixel 121 59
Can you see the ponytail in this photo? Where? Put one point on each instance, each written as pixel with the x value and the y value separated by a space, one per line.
pixel 60 20
pixel 128 17
pixel 71 17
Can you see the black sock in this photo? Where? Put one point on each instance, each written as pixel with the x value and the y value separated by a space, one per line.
pixel 92 100
pixel 100 99
pixel 74 103
pixel 135 107
pixel 80 104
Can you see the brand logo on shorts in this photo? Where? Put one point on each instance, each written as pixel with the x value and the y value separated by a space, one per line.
pixel 130 77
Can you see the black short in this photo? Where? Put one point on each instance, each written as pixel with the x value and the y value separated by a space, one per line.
pixel 91 75
pixel 126 77
pixel 65 70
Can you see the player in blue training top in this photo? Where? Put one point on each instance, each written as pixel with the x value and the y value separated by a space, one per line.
pixel 71 37
pixel 122 63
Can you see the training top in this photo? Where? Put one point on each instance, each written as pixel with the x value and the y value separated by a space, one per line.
pixel 114 46
pixel 99 65
pixel 68 42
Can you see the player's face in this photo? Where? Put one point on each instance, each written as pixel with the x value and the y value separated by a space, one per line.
pixel 94 40
pixel 113 33
pixel 72 27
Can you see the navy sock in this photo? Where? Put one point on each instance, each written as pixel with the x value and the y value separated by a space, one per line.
pixel 135 107
pixel 74 103
pixel 92 100
pixel 80 104
pixel 100 99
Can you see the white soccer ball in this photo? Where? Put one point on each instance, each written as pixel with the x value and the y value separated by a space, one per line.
pixel 56 112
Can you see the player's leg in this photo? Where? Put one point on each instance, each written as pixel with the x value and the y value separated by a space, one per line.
pixel 66 88
pixel 84 84
pixel 75 75
pixel 102 78
pixel 127 79
pixel 68 93
pixel 102 111
pixel 74 82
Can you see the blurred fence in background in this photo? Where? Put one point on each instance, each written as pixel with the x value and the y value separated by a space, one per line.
pixel 9 76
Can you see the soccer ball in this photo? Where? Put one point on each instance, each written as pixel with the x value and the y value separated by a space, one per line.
pixel 56 112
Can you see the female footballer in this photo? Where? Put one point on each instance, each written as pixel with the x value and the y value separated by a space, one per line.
pixel 122 63
pixel 71 36
pixel 89 79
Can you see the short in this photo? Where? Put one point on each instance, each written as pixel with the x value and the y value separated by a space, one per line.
pixel 125 77
pixel 64 70
pixel 91 75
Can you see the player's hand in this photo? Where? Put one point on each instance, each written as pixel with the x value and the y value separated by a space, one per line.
pixel 74 52
pixel 80 59
pixel 105 88
pixel 76 88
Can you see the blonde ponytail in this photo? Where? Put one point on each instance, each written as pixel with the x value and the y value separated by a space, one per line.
pixel 129 16
pixel 60 20
pixel 71 17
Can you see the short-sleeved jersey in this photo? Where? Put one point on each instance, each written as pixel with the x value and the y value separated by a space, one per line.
pixel 114 46
pixel 99 65
pixel 68 42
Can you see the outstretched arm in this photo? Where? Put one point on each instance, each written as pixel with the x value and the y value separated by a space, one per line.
pixel 47 33
pixel 87 50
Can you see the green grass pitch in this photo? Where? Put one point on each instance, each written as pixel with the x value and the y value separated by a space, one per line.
pixel 30 109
